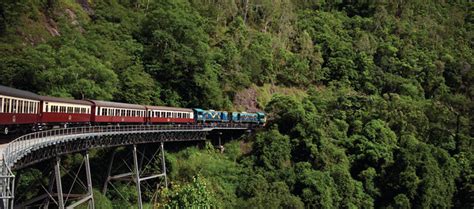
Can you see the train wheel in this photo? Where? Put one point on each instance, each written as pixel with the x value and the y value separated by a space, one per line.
pixel 5 130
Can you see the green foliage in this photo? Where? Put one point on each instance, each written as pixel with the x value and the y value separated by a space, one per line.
pixel 192 195
pixel 369 103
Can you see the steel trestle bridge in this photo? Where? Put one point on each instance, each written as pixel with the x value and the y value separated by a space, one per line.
pixel 51 144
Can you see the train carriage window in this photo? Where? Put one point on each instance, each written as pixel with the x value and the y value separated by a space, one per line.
pixel 117 112
pixel 6 106
pixel 25 106
pixel 104 112
pixel 30 107
pixel 20 106
pixel 14 102
pixel 1 104
pixel 123 112
pixel 128 113
pixel 70 110
pixel 77 110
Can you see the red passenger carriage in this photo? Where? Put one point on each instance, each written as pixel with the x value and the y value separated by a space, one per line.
pixel 17 108
pixel 158 114
pixel 65 111
pixel 115 112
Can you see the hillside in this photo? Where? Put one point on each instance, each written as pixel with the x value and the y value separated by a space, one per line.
pixel 370 104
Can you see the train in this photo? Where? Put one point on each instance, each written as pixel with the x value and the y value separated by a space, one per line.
pixel 26 111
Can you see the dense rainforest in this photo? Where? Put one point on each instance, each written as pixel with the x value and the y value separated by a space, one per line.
pixel 370 104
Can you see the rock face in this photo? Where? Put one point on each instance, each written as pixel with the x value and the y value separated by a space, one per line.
pixel 52 27
pixel 247 100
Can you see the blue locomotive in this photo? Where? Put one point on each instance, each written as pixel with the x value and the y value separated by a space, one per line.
pixel 204 116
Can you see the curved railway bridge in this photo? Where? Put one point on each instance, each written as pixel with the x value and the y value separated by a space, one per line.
pixel 52 144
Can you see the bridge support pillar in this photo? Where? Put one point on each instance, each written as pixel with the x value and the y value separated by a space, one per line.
pixel 136 173
pixel 137 177
pixel 163 164
pixel 59 187
pixel 7 186
pixel 62 198
pixel 90 192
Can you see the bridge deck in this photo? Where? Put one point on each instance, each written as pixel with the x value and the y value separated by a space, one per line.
pixel 18 148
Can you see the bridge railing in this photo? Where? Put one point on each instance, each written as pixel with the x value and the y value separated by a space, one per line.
pixel 29 141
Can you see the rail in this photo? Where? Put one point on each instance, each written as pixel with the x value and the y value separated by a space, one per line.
pixel 29 141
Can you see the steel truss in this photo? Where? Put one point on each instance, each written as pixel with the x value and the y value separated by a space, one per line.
pixel 137 173
pixel 7 186
pixel 40 146
pixel 59 198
